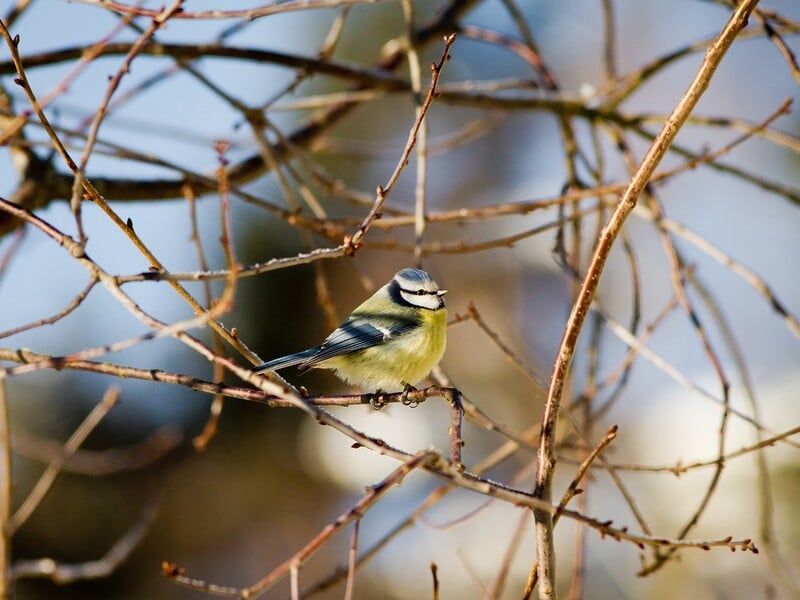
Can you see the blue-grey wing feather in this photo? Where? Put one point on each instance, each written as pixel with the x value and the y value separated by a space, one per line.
pixel 286 361
pixel 357 333
pixel 353 335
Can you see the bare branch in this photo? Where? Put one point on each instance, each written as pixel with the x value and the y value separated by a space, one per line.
pixel 63 573
pixel 546 455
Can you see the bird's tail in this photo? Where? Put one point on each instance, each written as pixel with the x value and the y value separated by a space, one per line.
pixel 286 361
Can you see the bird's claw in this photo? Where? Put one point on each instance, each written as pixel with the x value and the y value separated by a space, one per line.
pixel 377 400
pixel 407 389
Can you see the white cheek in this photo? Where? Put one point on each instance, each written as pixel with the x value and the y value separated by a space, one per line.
pixel 428 301
pixel 410 298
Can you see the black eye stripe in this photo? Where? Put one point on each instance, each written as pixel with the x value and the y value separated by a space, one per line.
pixel 417 292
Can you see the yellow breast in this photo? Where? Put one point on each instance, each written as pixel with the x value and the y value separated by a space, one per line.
pixel 405 360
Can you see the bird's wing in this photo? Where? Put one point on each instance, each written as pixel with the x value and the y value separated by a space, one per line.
pixel 353 335
pixel 285 361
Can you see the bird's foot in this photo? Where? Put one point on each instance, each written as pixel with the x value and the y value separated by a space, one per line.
pixel 377 400
pixel 407 389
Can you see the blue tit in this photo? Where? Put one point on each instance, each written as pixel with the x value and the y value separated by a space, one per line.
pixel 392 340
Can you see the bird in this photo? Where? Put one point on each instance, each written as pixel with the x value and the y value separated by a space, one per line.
pixel 391 341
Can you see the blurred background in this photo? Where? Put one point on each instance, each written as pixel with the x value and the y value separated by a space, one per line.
pixel 271 479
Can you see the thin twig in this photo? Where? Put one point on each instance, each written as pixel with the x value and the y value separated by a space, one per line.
pixel 546 461
pixel 99 462
pixel 42 486
pixel 6 487
pixel 352 562
pixel 64 573
pixel 571 491
pixel 354 242
pixel 71 306
pixel 415 76
pixel 373 495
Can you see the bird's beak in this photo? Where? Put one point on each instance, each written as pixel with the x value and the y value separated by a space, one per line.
pixel 441 292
